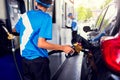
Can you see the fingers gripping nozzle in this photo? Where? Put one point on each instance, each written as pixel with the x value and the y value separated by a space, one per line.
pixel 77 47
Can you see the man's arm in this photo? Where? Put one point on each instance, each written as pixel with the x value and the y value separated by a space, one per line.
pixel 68 27
pixel 42 43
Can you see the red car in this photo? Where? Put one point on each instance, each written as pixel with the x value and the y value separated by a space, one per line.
pixel 110 47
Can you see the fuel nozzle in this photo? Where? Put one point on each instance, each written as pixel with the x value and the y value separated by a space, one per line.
pixel 10 36
pixel 77 46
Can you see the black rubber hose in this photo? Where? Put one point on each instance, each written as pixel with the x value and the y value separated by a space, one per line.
pixel 15 61
pixel 54 51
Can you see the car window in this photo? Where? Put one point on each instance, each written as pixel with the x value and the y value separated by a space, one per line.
pixel 100 18
pixel 109 17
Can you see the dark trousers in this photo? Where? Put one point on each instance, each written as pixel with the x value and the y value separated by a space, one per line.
pixel 36 69
pixel 74 36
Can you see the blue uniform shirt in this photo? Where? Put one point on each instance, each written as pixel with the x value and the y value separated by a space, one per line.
pixel 31 26
pixel 74 25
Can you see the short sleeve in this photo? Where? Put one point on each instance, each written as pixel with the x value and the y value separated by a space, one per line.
pixel 17 26
pixel 46 29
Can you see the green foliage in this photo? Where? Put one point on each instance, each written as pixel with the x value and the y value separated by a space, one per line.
pixel 89 13
pixel 84 13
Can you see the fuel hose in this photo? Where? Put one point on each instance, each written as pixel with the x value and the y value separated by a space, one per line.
pixel 11 37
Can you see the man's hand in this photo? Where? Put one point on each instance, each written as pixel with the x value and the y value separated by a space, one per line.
pixel 68 49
